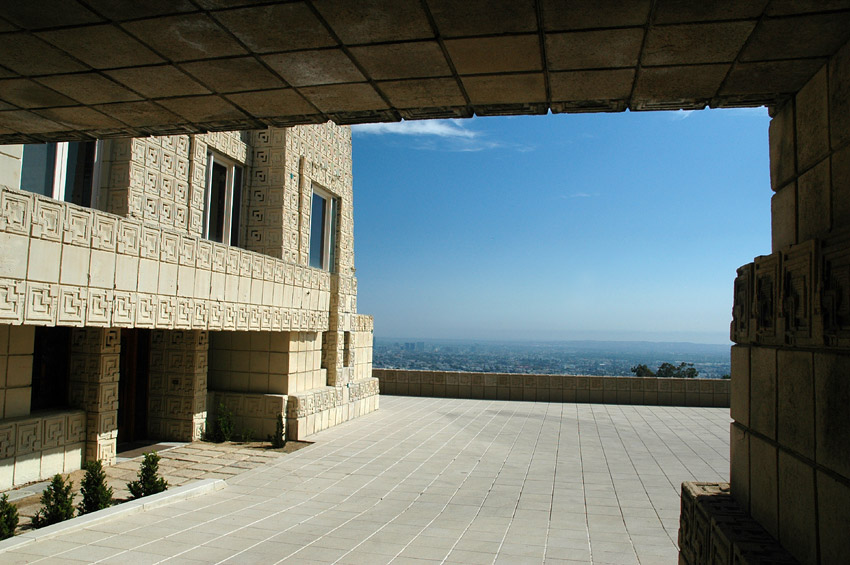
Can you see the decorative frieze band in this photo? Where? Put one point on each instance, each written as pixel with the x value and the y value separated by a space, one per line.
pixel 799 296
pixel 67 265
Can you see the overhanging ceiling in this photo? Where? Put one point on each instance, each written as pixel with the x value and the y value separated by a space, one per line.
pixel 75 69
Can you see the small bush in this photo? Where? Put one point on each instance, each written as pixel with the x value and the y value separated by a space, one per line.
pixel 248 435
pixel 8 517
pixel 97 495
pixel 57 503
pixel 148 482
pixel 279 438
pixel 223 426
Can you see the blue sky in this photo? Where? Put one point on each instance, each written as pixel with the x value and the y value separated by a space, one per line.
pixel 597 226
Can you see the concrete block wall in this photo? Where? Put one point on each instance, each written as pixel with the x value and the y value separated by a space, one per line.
pixel 93 387
pixel 16 349
pixel 790 462
pixel 177 392
pixel 254 415
pixel 10 164
pixel 555 388
pixel 272 362
pixel 37 446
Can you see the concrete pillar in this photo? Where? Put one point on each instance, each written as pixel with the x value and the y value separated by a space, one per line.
pixel 177 395
pixel 95 362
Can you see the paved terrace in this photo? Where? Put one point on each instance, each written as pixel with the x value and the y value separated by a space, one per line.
pixel 428 480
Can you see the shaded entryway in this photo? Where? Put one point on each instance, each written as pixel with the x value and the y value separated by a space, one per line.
pixel 133 386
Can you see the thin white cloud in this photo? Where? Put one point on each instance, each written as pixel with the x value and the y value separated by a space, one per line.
pixel 679 115
pixel 439 128
pixel 439 135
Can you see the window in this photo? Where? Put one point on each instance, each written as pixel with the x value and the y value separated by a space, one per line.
pixel 64 171
pixel 323 230
pixel 224 200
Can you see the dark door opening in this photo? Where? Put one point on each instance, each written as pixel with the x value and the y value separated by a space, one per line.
pixel 133 386
pixel 50 368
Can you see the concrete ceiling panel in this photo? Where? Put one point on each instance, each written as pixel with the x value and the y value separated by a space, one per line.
pixel 402 60
pixel 483 17
pixel 203 108
pixel 699 83
pixel 695 43
pixel 89 88
pixel 48 13
pixel 311 68
pixel 120 10
pixel 101 47
pixel 344 98
pixel 818 35
pixel 186 37
pixel 153 67
pixel 139 114
pixel 593 49
pixel 280 27
pixel 591 85
pixel 373 21
pixel 688 11
pixel 233 75
pixel 423 93
pixel 29 55
pixel 269 103
pixel 28 94
pixel 480 55
pixel 158 82
pixel 505 89
pixel 779 77
pixel 76 118
pixel 584 14
pixel 18 120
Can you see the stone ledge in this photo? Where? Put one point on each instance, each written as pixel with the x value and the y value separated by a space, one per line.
pixel 714 529
pixel 132 507
pixel 556 388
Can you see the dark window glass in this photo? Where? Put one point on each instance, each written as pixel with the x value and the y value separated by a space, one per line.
pixel 237 206
pixel 317 232
pixel 332 243
pixel 80 173
pixel 218 195
pixel 37 168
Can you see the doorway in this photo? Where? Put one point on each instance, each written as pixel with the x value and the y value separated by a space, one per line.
pixel 133 386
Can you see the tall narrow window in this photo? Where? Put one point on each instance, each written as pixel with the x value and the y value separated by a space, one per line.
pixel 323 230
pixel 224 197
pixel 64 171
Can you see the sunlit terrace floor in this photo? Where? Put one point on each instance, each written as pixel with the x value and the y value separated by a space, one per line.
pixel 427 480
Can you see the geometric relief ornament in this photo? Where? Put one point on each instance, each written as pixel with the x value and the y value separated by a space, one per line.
pixel 146 310
pixel 99 307
pixel 124 309
pixel 835 294
pixel 12 301
pixel 48 219
pixel 42 299
pixel 7 440
pixel 766 299
pixel 71 310
pixel 797 294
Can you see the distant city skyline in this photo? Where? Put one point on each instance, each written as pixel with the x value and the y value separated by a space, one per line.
pixel 604 227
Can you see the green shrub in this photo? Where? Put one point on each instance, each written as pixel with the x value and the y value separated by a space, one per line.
pixel 248 435
pixel 148 482
pixel 57 503
pixel 8 517
pixel 279 438
pixel 223 426
pixel 97 495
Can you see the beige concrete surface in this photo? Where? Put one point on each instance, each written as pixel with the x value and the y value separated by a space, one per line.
pixel 428 480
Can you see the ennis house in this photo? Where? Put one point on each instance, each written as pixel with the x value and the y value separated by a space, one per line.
pixel 146 281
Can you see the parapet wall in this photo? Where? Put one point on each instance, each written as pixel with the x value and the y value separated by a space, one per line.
pixel 555 388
